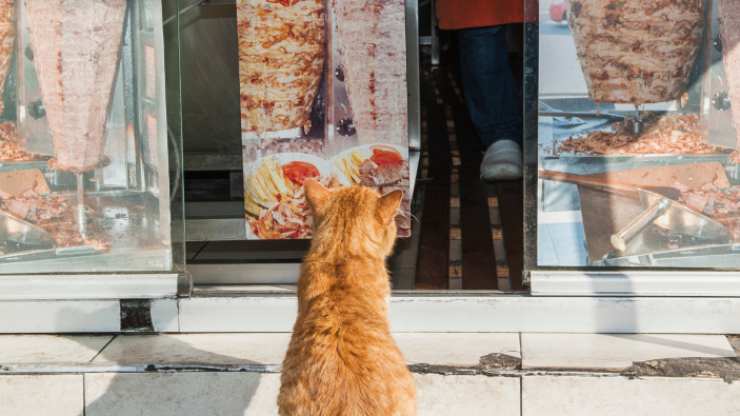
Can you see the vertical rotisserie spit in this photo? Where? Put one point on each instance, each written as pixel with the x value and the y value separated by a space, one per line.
pixel 373 58
pixel 76 46
pixel 636 51
pixel 281 60
pixel 729 25
pixel 7 42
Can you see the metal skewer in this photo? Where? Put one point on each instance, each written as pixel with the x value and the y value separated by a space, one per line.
pixel 637 123
pixel 81 216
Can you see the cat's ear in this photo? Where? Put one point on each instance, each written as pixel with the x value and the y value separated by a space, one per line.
pixel 388 205
pixel 316 194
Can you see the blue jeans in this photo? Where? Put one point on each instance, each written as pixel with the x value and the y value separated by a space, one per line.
pixel 488 84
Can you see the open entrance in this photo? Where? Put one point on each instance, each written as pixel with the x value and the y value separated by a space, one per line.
pixel 465 234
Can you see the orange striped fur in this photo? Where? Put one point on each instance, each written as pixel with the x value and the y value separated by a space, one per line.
pixel 342 359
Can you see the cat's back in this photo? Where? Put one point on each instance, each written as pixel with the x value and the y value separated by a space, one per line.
pixel 342 363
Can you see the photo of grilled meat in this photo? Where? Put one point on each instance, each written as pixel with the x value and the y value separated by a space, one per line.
pixel 372 54
pixel 76 47
pixel 281 60
pixel 635 51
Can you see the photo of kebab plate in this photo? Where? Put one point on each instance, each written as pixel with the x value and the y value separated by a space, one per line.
pixel 380 166
pixel 274 199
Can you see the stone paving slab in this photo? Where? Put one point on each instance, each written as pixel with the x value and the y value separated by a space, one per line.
pixel 265 352
pixel 58 395
pixel 616 352
pixel 195 349
pixel 181 394
pixel 269 349
pixel 618 396
pixel 456 349
pixel 49 349
pixel 236 394
pixel 467 395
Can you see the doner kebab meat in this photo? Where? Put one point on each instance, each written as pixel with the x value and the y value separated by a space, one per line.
pixel 7 40
pixel 636 51
pixel 729 24
pixel 721 204
pixel 76 46
pixel 373 57
pixel 281 59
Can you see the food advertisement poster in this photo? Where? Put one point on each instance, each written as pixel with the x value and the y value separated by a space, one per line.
pixel 323 95
pixel 638 132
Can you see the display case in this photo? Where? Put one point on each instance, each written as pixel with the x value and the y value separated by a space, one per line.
pixel 89 167
pixel 632 135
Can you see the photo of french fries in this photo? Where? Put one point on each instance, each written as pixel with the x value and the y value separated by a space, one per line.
pixel 349 166
pixel 274 202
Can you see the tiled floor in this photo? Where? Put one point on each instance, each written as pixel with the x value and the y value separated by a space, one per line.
pixel 611 352
pixel 618 396
pixel 536 351
pixel 237 374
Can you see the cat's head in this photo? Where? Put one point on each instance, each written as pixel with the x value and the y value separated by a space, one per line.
pixel 355 219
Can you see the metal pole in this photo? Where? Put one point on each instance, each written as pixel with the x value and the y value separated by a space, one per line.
pixel 81 216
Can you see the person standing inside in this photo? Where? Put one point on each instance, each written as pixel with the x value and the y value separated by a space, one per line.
pixel 488 82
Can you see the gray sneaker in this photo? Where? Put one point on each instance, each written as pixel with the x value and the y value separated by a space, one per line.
pixel 502 161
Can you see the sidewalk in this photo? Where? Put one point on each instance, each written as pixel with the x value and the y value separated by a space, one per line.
pixel 457 374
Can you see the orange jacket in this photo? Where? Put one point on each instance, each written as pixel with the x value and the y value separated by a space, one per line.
pixel 465 14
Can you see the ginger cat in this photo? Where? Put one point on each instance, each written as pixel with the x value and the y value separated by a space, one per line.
pixel 342 360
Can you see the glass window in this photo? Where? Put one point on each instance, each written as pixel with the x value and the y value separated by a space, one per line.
pixel 632 140
pixel 85 146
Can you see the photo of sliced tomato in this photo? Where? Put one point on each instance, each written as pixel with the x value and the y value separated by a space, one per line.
pixel 389 157
pixel 297 172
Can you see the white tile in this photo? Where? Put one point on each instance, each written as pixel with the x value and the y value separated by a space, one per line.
pixel 455 349
pixel 484 314
pixel 181 394
pixel 190 349
pixel 50 349
pixel 59 395
pixel 87 286
pixel 467 395
pixel 238 314
pixel 165 315
pixel 618 396
pixel 615 352
pixel 186 394
pixel 269 349
pixel 80 316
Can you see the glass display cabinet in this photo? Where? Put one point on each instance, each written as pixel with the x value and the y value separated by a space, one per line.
pixel 89 167
pixel 632 138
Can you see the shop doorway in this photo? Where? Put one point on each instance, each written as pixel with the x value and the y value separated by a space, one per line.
pixel 466 234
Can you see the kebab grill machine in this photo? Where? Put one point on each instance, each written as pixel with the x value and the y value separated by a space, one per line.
pixel 84 164
pixel 653 148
